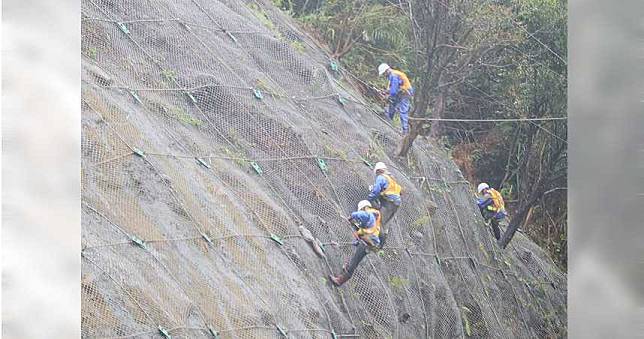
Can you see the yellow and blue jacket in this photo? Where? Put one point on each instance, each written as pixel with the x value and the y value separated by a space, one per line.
pixel 398 82
pixel 493 202
pixel 387 187
pixel 369 223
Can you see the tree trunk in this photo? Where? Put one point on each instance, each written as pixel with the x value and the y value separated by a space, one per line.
pixel 513 226
pixel 408 140
pixel 508 168
pixel 421 102
pixel 527 218
pixel 439 107
pixel 520 216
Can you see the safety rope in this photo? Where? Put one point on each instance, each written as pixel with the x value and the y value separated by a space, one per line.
pixel 489 120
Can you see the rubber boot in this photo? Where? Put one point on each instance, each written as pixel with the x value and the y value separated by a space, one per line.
pixel 383 237
pixel 339 280
pixel 495 229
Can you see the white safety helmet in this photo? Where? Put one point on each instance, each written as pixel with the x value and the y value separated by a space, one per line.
pixel 362 204
pixel 383 68
pixel 379 166
pixel 482 186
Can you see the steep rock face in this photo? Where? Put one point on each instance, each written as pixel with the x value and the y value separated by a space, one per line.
pixel 213 130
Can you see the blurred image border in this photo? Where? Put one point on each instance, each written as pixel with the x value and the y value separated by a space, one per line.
pixel 606 169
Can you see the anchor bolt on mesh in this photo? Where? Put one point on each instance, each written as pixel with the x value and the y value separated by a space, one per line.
pixel 164 333
pixel 123 28
pixel 282 331
pixel 256 167
pixel 138 152
pixel 136 97
pixel 323 166
pixel 258 93
pixel 203 163
pixel 213 332
pixel 277 239
pixel 138 242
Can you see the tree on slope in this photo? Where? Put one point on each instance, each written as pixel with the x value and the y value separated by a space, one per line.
pixel 453 39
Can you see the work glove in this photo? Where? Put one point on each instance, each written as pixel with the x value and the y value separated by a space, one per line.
pixel 353 224
pixel 370 188
pixel 376 204
pixel 356 239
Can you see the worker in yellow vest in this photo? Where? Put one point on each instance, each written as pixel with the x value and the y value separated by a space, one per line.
pixel 385 193
pixel 492 207
pixel 399 94
pixel 366 222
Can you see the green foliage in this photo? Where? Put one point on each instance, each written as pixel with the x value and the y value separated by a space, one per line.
pixel 335 152
pixel 396 121
pixel 465 312
pixel 237 157
pixel 92 52
pixel 398 283
pixel 264 87
pixel 376 151
pixel 418 223
pixel 184 117
pixel 298 46
pixel 169 75
pixel 263 17
pixel 283 4
pixel 363 33
pixel 506 192
pixel 487 256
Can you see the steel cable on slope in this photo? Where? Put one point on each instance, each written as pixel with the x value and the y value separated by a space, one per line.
pixel 136 302
pixel 159 65
pixel 271 159
pixel 489 120
pixel 242 81
pixel 331 184
pixel 451 203
pixel 479 275
pixel 232 329
pixel 509 108
pixel 185 90
pixel 550 303
pixel 462 277
pixel 169 271
pixel 495 258
pixel 431 224
pixel 194 221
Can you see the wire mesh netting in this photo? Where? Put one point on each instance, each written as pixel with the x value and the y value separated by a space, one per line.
pixel 211 132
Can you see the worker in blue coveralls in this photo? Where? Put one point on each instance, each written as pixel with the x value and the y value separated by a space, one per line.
pixel 385 193
pixel 492 207
pixel 399 95
pixel 366 222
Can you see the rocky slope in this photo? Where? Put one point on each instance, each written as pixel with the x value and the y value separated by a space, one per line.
pixel 213 130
